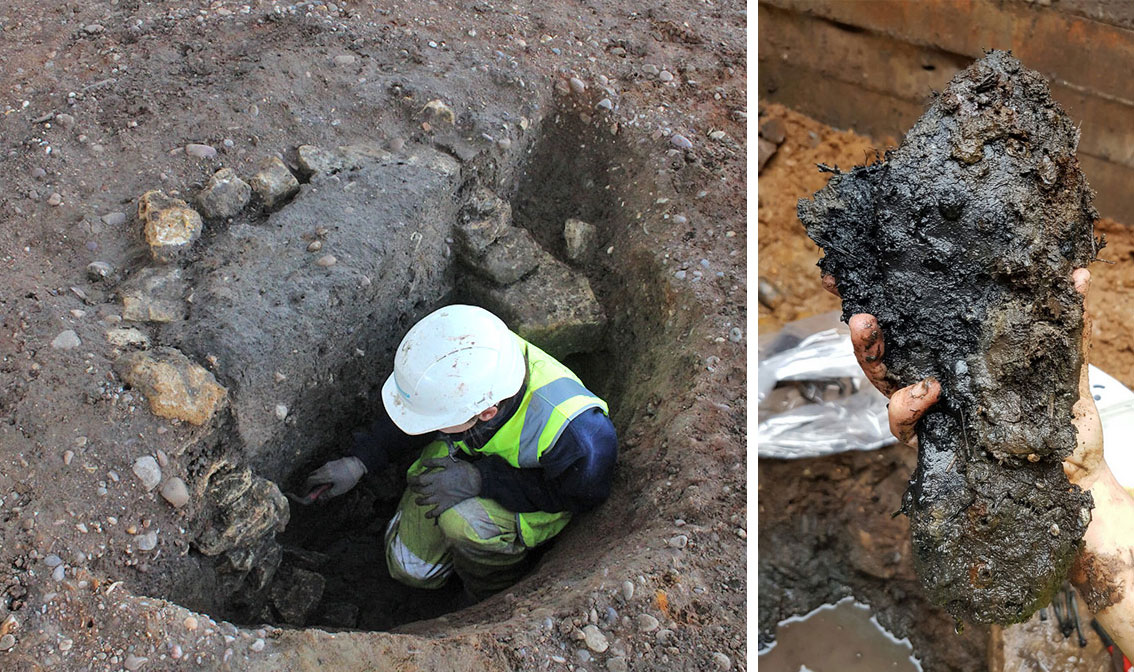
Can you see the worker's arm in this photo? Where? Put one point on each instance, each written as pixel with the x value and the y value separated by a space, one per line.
pixel 1104 569
pixel 574 475
pixel 382 442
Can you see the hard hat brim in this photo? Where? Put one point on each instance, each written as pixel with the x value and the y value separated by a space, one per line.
pixel 409 422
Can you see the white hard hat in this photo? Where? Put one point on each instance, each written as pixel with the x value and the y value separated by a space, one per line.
pixel 455 363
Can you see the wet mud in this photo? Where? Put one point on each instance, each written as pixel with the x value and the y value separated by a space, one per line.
pixel 962 242
pixel 1093 575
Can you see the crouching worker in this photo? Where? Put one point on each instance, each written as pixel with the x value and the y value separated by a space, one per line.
pixel 511 445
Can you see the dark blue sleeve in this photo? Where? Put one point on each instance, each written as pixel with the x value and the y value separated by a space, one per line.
pixel 382 443
pixel 574 475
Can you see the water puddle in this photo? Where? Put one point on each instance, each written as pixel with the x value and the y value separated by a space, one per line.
pixel 840 637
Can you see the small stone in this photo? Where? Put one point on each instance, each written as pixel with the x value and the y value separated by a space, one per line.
pixel 148 472
pixel 576 85
pixel 99 270
pixel 127 337
pixel 717 135
pixel 66 340
pixel 647 623
pixel 147 541
pixel 134 663
pixel 315 246
pixel 580 238
pixel 55 199
pixel 345 59
pixel 68 455
pixel 595 640
pixel 170 225
pixel 281 412
pixel 735 335
pixel 504 143
pixel 274 183
pixel 680 141
pixel 175 492
pixel 114 218
pixel 679 541
pixel 58 573
pixel 680 220
pixel 190 622
pixel 721 661
pixel 66 644
pixel 397 144
pixel 93 29
pixel 664 636
pixel 773 130
pixel 680 275
pixel 52 560
pixel 257 645
pixel 665 76
pixel 38 173
pixel 199 151
pixel 650 69
pixel 65 120
pixel 7 642
pixel 327 260
pixel 224 196
pixel 627 590
pixel 583 656
pixel 605 104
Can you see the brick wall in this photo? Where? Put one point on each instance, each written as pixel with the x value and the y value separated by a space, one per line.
pixel 869 65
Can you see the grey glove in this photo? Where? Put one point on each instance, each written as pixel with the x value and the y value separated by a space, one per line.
pixel 446 483
pixel 343 474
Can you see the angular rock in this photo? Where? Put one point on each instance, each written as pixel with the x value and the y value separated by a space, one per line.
pixel 148 472
pixel 153 295
pixel 146 541
pixel 224 196
pixel 962 244
pixel 580 238
pixel 514 254
pixel 319 162
pixel 553 307
pixel 169 224
pixel 474 236
pixel 175 387
pixel 297 595
pixel 66 340
pixel 274 183
pixel 766 149
pixel 127 338
pixel 243 508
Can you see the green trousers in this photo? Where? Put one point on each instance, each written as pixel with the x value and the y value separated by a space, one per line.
pixel 477 539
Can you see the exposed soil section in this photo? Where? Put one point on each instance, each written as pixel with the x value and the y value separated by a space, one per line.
pixel 962 245
pixel 561 110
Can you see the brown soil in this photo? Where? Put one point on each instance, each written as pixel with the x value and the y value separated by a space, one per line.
pixel 826 529
pixel 140 80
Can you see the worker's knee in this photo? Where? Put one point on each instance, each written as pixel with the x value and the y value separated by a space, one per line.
pixel 470 523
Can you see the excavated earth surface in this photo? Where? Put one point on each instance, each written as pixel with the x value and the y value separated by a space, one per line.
pixel 158 408
pixel 962 244
pixel 827 528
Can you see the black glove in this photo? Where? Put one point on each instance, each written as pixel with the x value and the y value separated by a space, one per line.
pixel 446 483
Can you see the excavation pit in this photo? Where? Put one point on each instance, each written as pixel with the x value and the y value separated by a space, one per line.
pixel 304 347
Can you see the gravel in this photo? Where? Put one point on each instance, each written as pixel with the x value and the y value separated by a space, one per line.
pixel 665 76
pixel 55 199
pixel 52 560
pixel 114 218
pixel 647 623
pixel 148 472
pixel 66 340
pixel 175 492
pixel 721 661
pixel 327 260
pixel 735 335
pixel 627 590
pixel 147 541
pixel 99 270
pixel 594 639
pixel 199 151
pixel 577 85
pixel 680 141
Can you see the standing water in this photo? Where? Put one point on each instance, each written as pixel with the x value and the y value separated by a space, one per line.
pixel 840 637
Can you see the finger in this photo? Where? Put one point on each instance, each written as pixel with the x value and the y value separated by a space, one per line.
pixel 908 404
pixel 830 285
pixel 869 346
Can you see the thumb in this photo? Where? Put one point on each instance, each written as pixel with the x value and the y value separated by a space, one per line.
pixel 908 405
pixel 436 462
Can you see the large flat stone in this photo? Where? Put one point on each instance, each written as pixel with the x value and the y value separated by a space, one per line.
pixel 274 183
pixel 153 295
pixel 244 509
pixel 553 307
pixel 175 387
pixel 514 254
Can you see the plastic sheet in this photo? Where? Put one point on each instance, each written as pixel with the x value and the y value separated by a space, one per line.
pixel 813 398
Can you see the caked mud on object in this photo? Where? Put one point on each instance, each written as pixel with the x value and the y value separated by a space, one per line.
pixel 962 243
